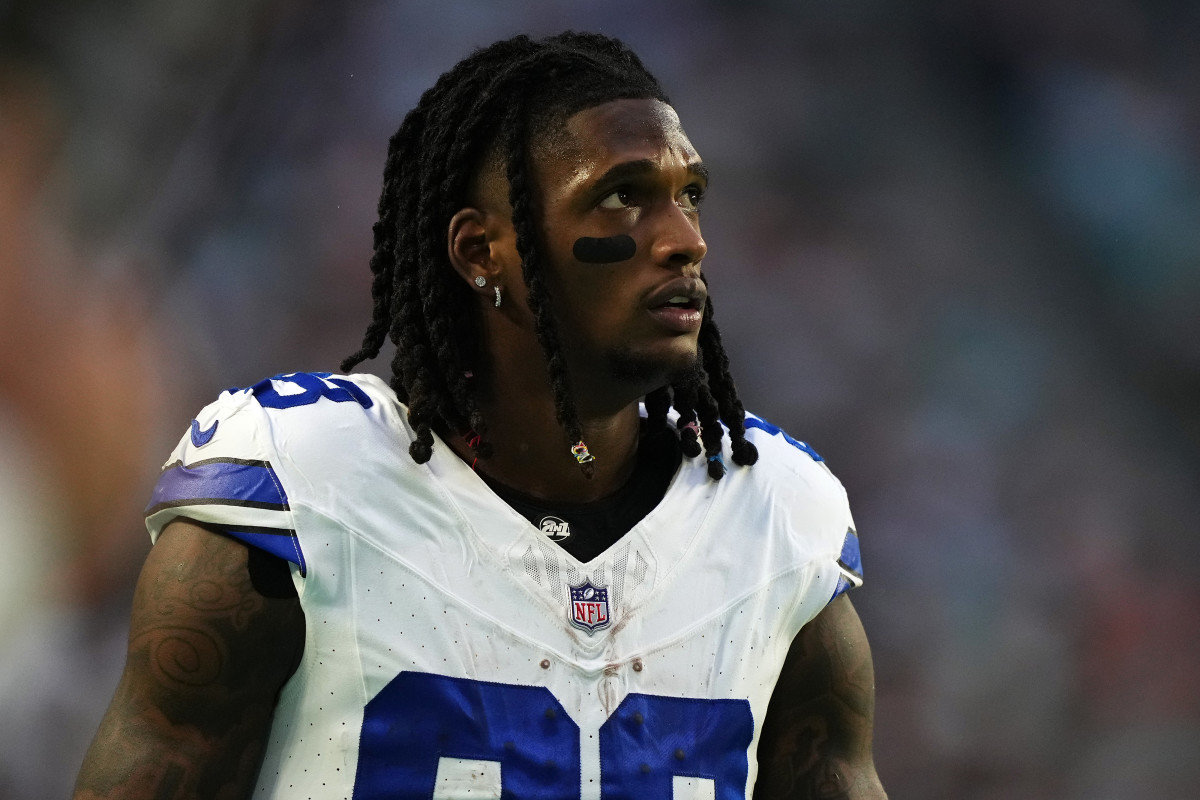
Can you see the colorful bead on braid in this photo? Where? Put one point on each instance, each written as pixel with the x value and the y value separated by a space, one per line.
pixel 473 439
pixel 716 466
pixel 580 451
pixel 694 428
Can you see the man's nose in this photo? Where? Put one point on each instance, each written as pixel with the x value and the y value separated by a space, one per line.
pixel 678 242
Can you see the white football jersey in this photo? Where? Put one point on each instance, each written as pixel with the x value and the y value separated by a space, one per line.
pixel 453 651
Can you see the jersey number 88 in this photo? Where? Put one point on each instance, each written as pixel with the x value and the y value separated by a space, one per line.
pixel 435 737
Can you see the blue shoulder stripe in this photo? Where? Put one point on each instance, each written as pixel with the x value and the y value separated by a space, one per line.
pixel 281 542
pixel 851 558
pixel 850 564
pixel 775 430
pixel 220 481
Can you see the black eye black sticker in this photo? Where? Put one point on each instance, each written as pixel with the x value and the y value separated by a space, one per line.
pixel 608 250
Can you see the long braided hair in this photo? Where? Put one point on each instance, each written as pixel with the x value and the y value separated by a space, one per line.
pixel 499 101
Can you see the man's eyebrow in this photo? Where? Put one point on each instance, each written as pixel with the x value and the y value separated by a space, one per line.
pixel 635 169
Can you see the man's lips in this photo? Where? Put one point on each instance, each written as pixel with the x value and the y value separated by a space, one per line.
pixel 680 293
pixel 678 305
pixel 679 319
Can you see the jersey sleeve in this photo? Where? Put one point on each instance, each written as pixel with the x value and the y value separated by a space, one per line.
pixel 824 507
pixel 223 474
pixel 843 536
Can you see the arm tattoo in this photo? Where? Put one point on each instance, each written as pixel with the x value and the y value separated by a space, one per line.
pixel 204 668
pixel 816 739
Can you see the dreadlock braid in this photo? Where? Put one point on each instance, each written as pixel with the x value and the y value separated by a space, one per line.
pixel 497 105
pixel 445 306
pixel 539 300
pixel 711 432
pixel 383 257
pixel 720 382
pixel 683 397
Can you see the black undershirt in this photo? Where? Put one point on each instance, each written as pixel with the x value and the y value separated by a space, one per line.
pixel 585 530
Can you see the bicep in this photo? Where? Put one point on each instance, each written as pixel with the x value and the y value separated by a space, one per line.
pixel 208 654
pixel 816 738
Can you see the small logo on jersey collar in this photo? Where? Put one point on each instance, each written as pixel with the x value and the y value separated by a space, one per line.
pixel 556 529
pixel 201 438
pixel 589 607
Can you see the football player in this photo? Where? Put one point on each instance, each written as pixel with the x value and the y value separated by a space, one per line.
pixel 553 557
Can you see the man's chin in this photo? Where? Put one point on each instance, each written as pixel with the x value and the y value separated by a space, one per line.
pixel 653 371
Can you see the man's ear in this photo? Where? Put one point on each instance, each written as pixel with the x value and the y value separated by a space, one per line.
pixel 470 250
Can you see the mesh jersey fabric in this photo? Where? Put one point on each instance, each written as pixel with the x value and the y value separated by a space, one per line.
pixel 453 650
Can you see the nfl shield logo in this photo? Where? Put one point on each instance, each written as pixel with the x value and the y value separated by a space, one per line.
pixel 589 607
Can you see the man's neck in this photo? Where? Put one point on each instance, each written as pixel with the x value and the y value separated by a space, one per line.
pixel 530 451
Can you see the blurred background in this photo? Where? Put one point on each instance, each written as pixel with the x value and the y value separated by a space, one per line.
pixel 954 244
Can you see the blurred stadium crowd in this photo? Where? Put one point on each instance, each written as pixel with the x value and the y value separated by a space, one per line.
pixel 954 244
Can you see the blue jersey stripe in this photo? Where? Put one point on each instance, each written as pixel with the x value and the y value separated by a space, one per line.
pixel 851 558
pixel 229 481
pixel 775 430
pixel 843 586
pixel 280 542
pixel 850 561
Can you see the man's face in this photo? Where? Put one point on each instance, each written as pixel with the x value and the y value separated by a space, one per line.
pixel 620 191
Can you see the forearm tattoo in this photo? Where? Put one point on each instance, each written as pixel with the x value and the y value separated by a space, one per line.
pixel 192 711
